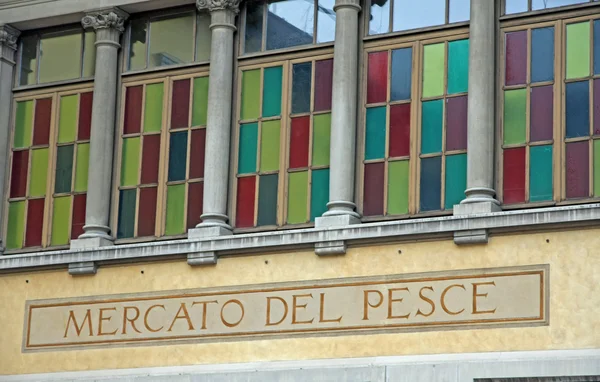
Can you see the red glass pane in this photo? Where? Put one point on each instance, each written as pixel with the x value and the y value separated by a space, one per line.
pixel 150 159
pixel 194 208
pixel 197 153
pixel 147 212
pixel 299 140
pixel 400 130
pixel 133 109
pixel 373 198
pixel 323 84
pixel 78 220
pixel 514 175
pixel 41 128
pixel 180 105
pixel 541 113
pixel 35 223
pixel 377 77
pixel 456 123
pixel 246 197
pixel 577 170
pixel 597 107
pixel 516 58
pixel 18 182
pixel 85 116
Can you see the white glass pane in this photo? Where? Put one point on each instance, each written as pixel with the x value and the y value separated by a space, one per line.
pixel 411 14
pixel 326 21
pixel 172 41
pixel 544 4
pixel 290 23
pixel 460 10
pixel 60 57
pixel 380 17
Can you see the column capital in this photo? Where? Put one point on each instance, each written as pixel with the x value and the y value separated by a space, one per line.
pixel 219 5
pixel 109 18
pixel 9 36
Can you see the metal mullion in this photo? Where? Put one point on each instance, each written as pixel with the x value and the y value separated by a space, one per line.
pixel 370 161
pixel 81 54
pixel 265 10
pixel 195 37
pixel 591 110
pixel 529 7
pixel 147 43
pixel 259 147
pixel 444 125
pixel 391 16
pixel 386 149
pixel 447 15
pixel 528 75
pixel 281 211
pixel 39 58
pixel 233 196
pixel 315 20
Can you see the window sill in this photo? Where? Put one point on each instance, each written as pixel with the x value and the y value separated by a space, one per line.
pixel 516 221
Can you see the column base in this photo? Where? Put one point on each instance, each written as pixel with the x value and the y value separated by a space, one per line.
pixel 476 208
pixel 213 225
pixel 336 221
pixel 91 242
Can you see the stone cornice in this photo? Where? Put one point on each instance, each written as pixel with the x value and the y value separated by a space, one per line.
pixel 217 5
pixel 110 18
pixel 9 36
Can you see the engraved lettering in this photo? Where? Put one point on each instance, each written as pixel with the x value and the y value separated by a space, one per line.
pixel 146 318
pixel 87 318
pixel 204 310
pixel 295 308
pixel 392 300
pixel 443 302
pixel 179 315
pixel 322 312
pixel 232 324
pixel 130 320
pixel 367 302
pixel 285 311
pixel 475 295
pixel 101 319
pixel 428 300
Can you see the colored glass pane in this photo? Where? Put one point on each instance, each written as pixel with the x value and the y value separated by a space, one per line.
pixel 250 94
pixel 431 126
pixel 301 86
pixel 23 124
pixel 78 218
pixel 456 180
pixel 89 53
pixel 175 220
pixel 540 173
pixel 253 27
pixel 85 116
pixel 153 108
pixel 61 221
pixel 596 160
pixel 375 136
pixel 578 50
pixel 64 169
pixel 297 197
pixel 180 103
pixel 411 15
pixel 60 57
pixel 299 142
pixel 137 44
pixel 67 122
pixel 43 114
pixel 542 109
pixel 81 168
pixel 248 149
pixel 269 145
pixel 514 175
pixel 20 166
pixel 267 199
pixel 373 189
pixel 272 89
pixel 16 225
pixel 377 77
pixel 515 106
pixel 126 224
pixel 577 160
pixel 433 70
pixel 39 172
pixel 35 223
pixel 178 156
pixel 197 153
pixel 458 66
pixel 596 46
pixel 133 109
pixel 150 159
pixel 323 84
pixel 542 54
pixel 200 105
pixel 577 109
pixel 401 74
pixel 516 58
pixel 397 197
pixel 596 106
pixel 319 193
pixel 130 161
pixel 194 206
pixel 246 191
pixel 171 40
pixel 456 123
pixel 399 140
pixel 431 175
pixel 321 140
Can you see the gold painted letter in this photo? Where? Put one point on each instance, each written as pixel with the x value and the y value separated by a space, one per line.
pixel 131 320
pixel 101 319
pixel 285 310
pixel 322 312
pixel 78 329
pixel 442 299
pixel 475 295
pixel 230 324
pixel 185 315
pixel 419 313
pixel 367 302
pixel 146 318
pixel 295 307
pixel 392 300
pixel 204 310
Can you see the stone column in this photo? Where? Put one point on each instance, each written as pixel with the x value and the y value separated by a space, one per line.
pixel 218 125
pixel 343 117
pixel 8 46
pixel 480 191
pixel 108 24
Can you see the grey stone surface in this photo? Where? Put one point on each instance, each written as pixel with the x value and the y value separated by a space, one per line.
pixel 336 221
pixel 206 231
pixel 483 207
pixel 202 258
pixel 91 242
pixel 476 236
pixel 331 248
pixel 85 268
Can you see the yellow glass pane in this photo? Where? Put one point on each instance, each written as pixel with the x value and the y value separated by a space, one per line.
pixel 60 57
pixel 89 54
pixel 172 41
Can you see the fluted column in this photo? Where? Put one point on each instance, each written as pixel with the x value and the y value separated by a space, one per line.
pixel 218 125
pixel 8 47
pixel 108 25
pixel 343 117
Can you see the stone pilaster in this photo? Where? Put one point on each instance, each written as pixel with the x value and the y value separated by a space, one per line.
pixel 341 206
pixel 8 47
pixel 108 25
pixel 218 127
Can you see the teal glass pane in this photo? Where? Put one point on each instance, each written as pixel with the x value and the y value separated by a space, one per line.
pixel 375 137
pixel 540 173
pixel 458 66
pixel 431 126
pixel 248 149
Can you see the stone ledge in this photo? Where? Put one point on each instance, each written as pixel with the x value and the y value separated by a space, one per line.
pixel 505 221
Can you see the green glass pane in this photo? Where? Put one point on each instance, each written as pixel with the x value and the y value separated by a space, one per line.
pixel 321 139
pixel 175 222
pixel 60 57
pixel 456 180
pixel 433 70
pixel 272 91
pixel 64 169
pixel 203 37
pixel 267 199
pixel 458 66
pixel 247 150
pixel 89 54
pixel 375 136
pixel 171 41
pixel 431 126
pixel 126 223
pixel 81 169
pixel 515 119
pixel 16 225
pixel 130 162
pixel 297 197
pixel 153 107
pixel 250 94
pixel 319 193
pixel 397 198
pixel 596 168
pixel 540 173
pixel 67 120
pixel 137 44
pixel 578 50
pixel 269 146
pixel 61 221
pixel 23 124
pixel 39 172
pixel 200 102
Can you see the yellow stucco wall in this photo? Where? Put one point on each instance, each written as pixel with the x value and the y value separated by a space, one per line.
pixel 574 259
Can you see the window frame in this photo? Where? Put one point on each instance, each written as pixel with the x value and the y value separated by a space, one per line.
pixel 529 12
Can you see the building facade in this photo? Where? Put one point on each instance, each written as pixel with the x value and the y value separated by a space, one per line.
pixel 295 190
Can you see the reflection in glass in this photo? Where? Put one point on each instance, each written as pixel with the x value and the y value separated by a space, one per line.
pixel 460 10
pixel 203 35
pixel 325 21
pixel 254 24
pixel 543 4
pixel 171 41
pixel 289 23
pixel 60 57
pixel 515 6
pixel 89 54
pixel 411 14
pixel 137 45
pixel 28 60
pixel 380 17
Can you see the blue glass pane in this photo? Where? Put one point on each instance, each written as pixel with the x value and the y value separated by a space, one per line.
pixel 177 156
pixel 431 184
pixel 401 74
pixel 542 54
pixel 597 47
pixel 301 83
pixel 578 109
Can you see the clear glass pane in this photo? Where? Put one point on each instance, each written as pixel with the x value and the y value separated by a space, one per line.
pixel 380 17
pixel 203 35
pixel 89 54
pixel 290 23
pixel 325 21
pixel 254 25
pixel 515 6
pixel 543 4
pixel 137 45
pixel 410 14
pixel 172 41
pixel 28 74
pixel 60 57
pixel 460 10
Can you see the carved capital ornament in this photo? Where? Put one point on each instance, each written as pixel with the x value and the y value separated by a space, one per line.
pixel 217 5
pixel 9 36
pixel 112 18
